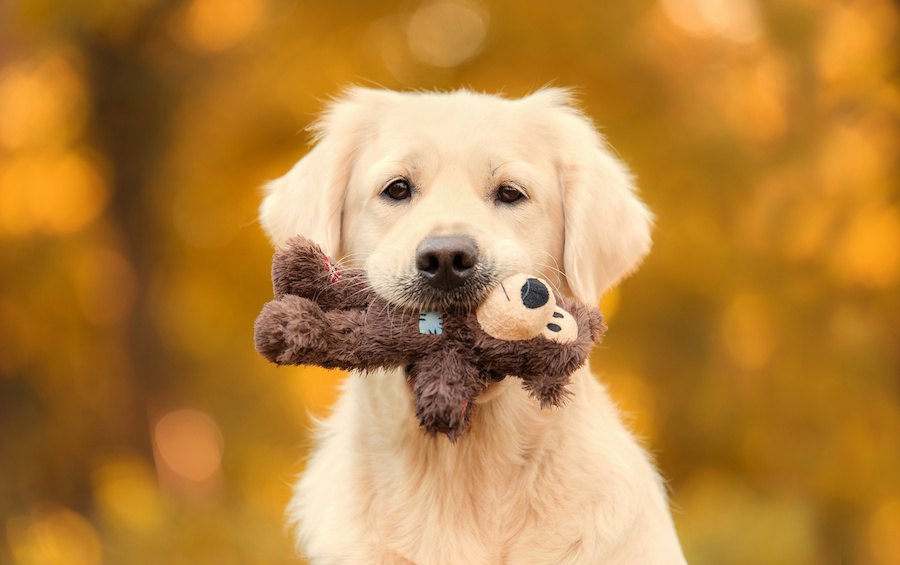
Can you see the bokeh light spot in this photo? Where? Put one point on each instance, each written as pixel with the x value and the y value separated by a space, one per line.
pixel 41 103
pixel 55 194
pixel 218 25
pixel 446 33
pixel 393 47
pixel 856 153
pixel 851 37
pixel 190 443
pixel 736 20
pixel 127 494
pixel 55 536
pixel 869 252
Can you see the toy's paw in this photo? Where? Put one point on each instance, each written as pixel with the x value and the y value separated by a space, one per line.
pixel 549 392
pixel 301 268
pixel 288 329
pixel 519 308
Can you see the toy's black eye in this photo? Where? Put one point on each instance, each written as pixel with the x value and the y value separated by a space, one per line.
pixel 398 190
pixel 508 194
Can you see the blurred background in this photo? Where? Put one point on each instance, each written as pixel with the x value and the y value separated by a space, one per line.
pixel 756 352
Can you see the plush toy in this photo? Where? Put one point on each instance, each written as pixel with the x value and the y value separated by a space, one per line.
pixel 325 314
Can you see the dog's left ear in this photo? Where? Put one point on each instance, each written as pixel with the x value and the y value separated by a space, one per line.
pixel 607 227
pixel 309 199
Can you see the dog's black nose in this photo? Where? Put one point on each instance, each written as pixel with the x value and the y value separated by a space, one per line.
pixel 446 262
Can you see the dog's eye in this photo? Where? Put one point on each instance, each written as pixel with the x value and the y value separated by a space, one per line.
pixel 509 194
pixel 398 190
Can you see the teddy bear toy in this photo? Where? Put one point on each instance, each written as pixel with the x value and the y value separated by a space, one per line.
pixel 328 315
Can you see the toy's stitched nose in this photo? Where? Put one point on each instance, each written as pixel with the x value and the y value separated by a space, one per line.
pixel 446 262
pixel 534 293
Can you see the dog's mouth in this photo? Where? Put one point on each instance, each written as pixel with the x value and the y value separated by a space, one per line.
pixel 413 292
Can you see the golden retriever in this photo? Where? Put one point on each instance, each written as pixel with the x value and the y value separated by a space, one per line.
pixel 439 195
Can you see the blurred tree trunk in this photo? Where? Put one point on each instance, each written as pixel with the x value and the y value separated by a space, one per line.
pixel 132 107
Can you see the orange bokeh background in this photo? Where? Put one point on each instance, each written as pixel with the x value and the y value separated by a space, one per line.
pixel 756 352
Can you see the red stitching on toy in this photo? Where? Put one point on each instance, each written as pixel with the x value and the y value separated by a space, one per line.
pixel 333 273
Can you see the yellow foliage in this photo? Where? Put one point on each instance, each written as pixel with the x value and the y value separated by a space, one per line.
pixel 127 494
pixel 755 352
pixel 50 193
pixel 56 536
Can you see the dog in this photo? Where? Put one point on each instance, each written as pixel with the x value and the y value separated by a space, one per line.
pixel 439 196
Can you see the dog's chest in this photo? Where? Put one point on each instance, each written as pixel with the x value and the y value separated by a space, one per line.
pixel 442 517
pixel 440 505
pixel 375 486
pixel 453 527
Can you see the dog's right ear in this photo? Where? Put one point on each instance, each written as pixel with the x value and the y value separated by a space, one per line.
pixel 309 199
pixel 607 226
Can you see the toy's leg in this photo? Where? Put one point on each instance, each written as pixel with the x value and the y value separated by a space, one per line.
pixel 301 269
pixel 445 384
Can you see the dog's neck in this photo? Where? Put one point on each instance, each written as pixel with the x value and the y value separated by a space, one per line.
pixel 508 430
pixel 494 478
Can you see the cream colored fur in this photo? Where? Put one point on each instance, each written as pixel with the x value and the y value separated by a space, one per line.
pixel 523 485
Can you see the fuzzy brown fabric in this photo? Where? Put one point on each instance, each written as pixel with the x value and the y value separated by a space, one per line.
pixel 327 315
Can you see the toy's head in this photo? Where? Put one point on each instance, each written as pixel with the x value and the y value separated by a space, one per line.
pixel 523 307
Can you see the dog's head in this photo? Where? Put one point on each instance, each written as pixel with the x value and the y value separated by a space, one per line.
pixel 442 195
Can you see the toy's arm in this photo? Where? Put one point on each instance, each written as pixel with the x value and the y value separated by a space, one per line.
pixel 545 364
pixel 302 269
pixel 541 355
pixel 296 331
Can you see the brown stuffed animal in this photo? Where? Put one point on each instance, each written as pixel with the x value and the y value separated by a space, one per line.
pixel 324 314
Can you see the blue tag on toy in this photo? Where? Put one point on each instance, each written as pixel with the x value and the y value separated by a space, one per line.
pixel 431 323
